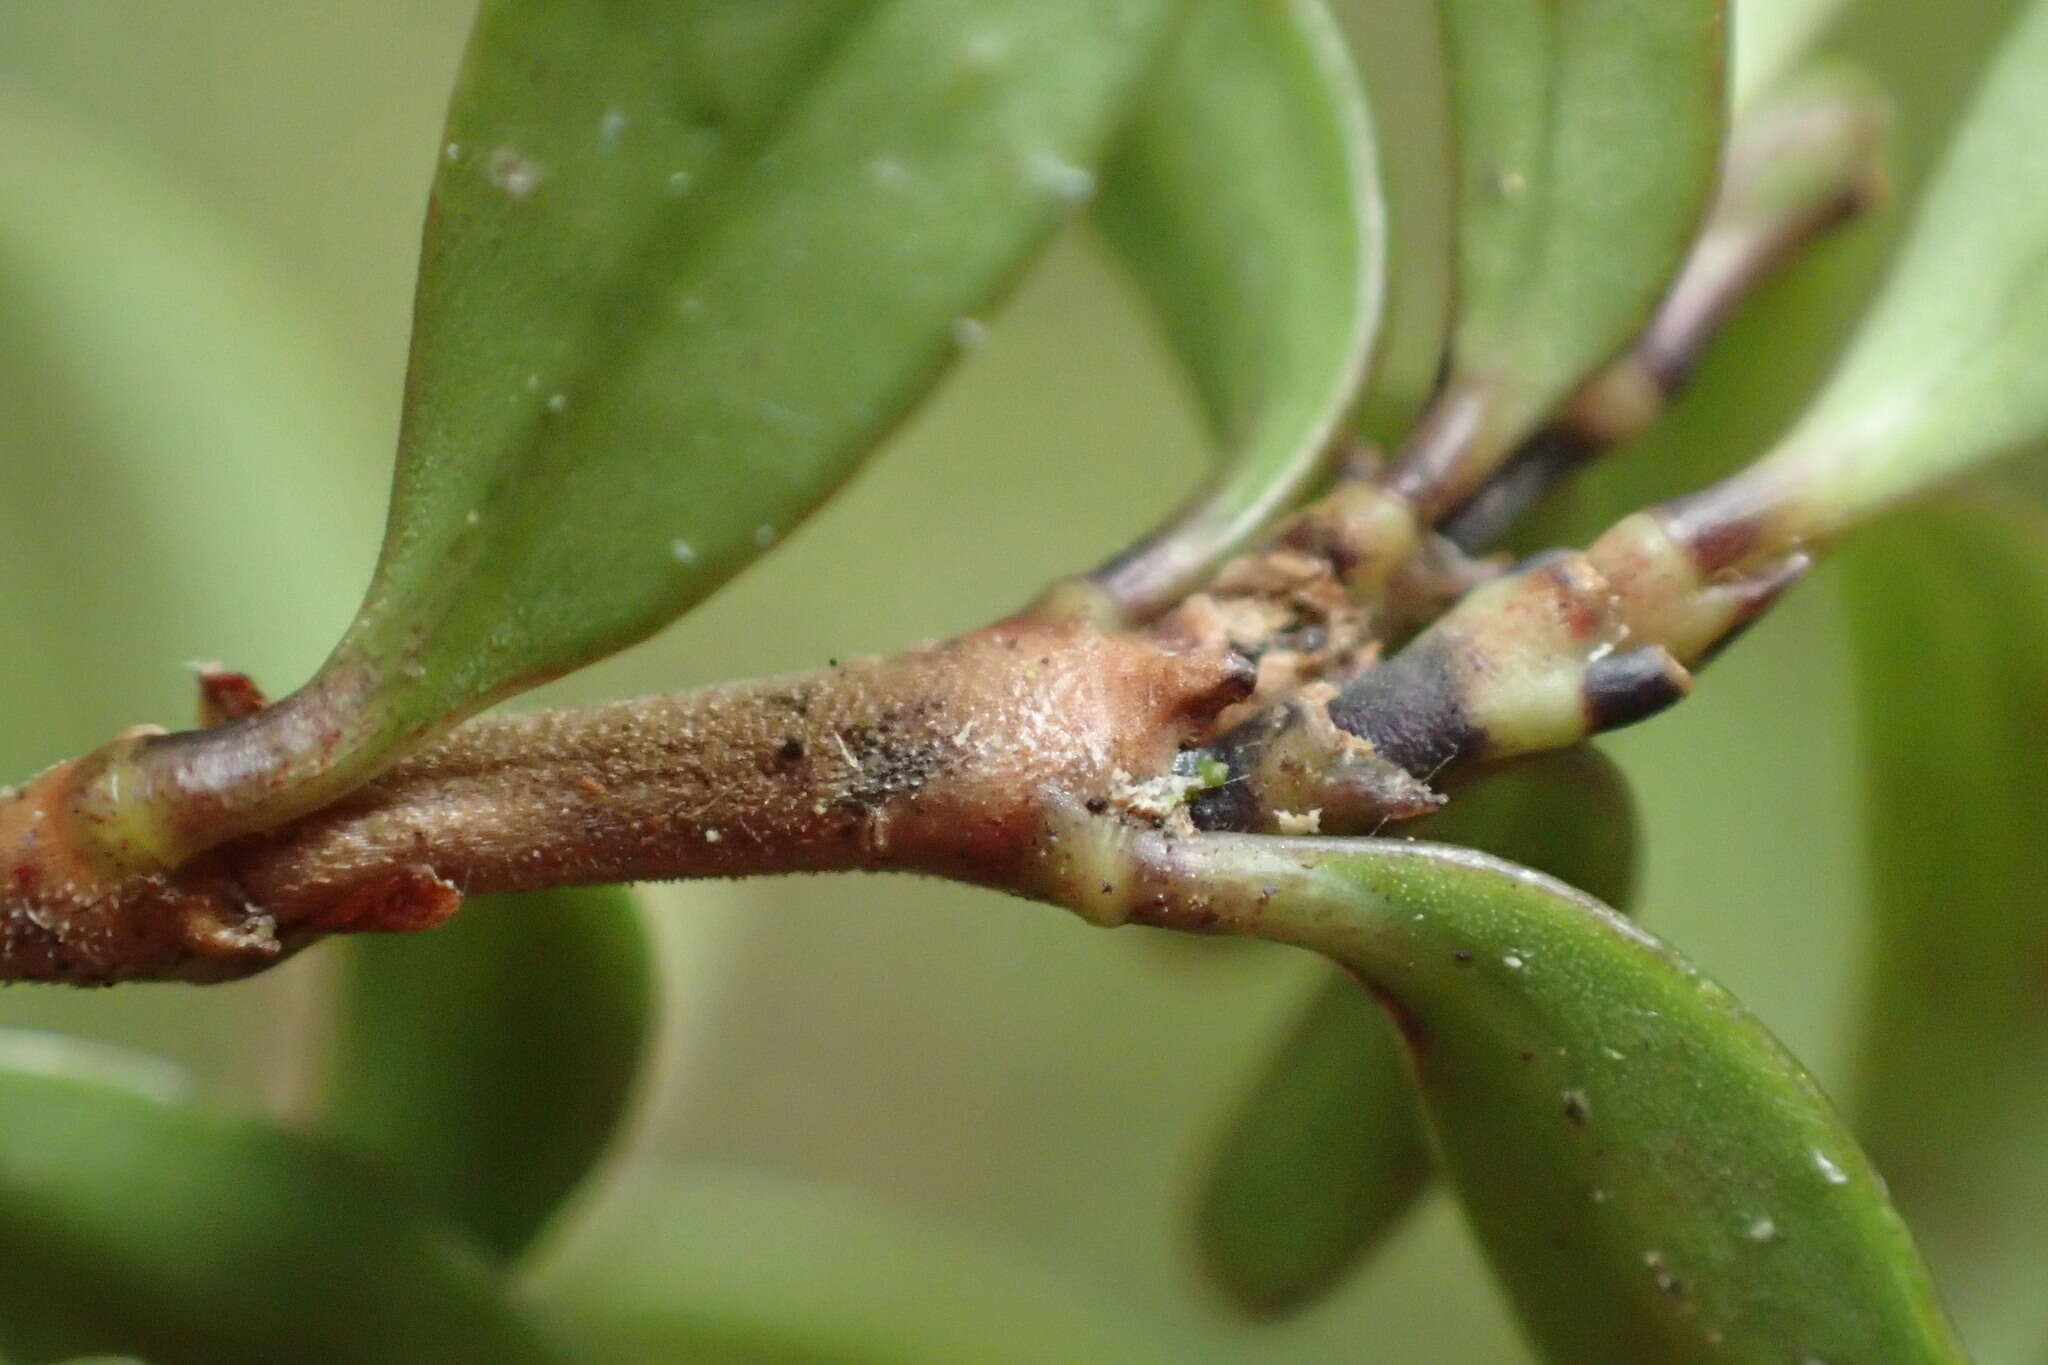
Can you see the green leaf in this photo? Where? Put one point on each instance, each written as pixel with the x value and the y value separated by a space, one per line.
pixel 1587 135
pixel 490 1061
pixel 1327 1153
pixel 1245 202
pixel 132 1218
pixel 1951 366
pixel 1770 38
pixel 1652 1176
pixel 685 266
pixel 1949 616
pixel 732 1268
pixel 1322 1159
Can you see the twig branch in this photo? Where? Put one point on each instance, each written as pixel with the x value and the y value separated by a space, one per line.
pixel 939 760
pixel 1261 703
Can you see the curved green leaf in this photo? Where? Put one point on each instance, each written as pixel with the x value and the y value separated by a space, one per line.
pixel 1245 202
pixel 1327 1153
pixel 133 1219
pixel 1951 365
pixel 1587 135
pixel 490 1061
pixel 684 266
pixel 733 1268
pixel 1649 1172
pixel 1949 615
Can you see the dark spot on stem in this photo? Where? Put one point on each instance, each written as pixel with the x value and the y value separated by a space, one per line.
pixel 1231 805
pixel 1622 689
pixel 1411 710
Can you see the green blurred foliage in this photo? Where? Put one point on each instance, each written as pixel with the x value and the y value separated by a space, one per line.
pixel 1949 615
pixel 141 1214
pixel 1007 1072
pixel 490 1062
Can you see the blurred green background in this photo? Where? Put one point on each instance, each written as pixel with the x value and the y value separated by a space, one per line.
pixel 209 213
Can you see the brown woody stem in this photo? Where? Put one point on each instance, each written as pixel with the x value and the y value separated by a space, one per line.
pixel 940 760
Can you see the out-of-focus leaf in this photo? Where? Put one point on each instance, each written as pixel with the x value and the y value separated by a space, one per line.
pixel 170 398
pixel 186 472
pixel 1587 134
pixel 731 1268
pixel 490 1061
pixel 1951 366
pixel 1399 51
pixel 1652 1176
pixel 1245 201
pixel 684 266
pixel 1770 38
pixel 1949 610
pixel 1322 1159
pixel 1328 1152
pixel 134 1218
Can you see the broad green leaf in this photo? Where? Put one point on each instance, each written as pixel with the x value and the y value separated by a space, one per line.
pixel 490 1061
pixel 1327 1153
pixel 730 1268
pixel 1245 202
pixel 1587 135
pixel 1652 1176
pixel 134 1218
pixel 1951 366
pixel 1949 614
pixel 1770 38
pixel 685 265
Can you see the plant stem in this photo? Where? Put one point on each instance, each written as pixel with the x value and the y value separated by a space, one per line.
pixel 958 760
pixel 938 760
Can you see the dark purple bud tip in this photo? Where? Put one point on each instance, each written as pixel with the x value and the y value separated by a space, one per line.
pixel 1622 689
